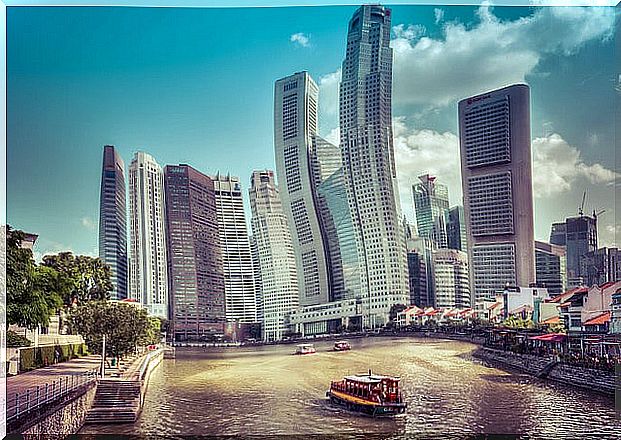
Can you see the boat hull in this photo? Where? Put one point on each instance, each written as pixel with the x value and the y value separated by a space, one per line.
pixel 365 407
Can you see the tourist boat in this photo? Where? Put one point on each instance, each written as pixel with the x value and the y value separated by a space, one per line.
pixel 305 349
pixel 341 346
pixel 368 393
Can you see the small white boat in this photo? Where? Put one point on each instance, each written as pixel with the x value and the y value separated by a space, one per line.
pixel 305 349
pixel 342 346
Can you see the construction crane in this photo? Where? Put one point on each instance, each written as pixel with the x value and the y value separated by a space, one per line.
pixel 581 209
pixel 595 214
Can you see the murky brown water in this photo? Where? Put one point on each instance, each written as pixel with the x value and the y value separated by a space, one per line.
pixel 267 391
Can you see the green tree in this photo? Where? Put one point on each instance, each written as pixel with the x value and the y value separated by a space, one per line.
pixel 395 309
pixel 82 278
pixel 518 323
pixel 125 326
pixel 32 294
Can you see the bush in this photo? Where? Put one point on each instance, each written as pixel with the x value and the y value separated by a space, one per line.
pixel 15 340
pixel 27 359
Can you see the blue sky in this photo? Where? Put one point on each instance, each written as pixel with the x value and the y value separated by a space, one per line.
pixel 196 86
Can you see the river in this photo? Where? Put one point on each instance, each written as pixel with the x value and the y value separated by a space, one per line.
pixel 267 391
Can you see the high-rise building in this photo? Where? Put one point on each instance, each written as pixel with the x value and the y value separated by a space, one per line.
pixel 601 266
pixel 431 202
pixel 275 255
pixel 494 132
pixel 113 220
pixel 256 266
pixel 368 162
pixel 451 281
pixel 581 238
pixel 295 123
pixel 550 264
pixel 195 274
pixel 558 234
pixel 239 288
pixel 420 271
pixel 148 261
pixel 455 224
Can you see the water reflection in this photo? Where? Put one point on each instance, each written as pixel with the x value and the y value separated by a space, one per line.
pixel 267 391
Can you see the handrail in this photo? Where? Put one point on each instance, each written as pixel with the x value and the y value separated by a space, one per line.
pixel 33 398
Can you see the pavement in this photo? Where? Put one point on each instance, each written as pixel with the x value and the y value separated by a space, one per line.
pixel 41 376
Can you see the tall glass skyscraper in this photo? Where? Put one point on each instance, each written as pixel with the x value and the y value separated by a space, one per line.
pixel 274 254
pixel 368 161
pixel 455 224
pixel 295 124
pixel 195 273
pixel 148 261
pixel 113 220
pixel 431 201
pixel 239 288
pixel 496 172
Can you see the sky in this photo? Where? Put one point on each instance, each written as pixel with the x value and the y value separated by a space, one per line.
pixel 193 85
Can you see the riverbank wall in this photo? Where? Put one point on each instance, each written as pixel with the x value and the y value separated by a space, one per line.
pixel 573 375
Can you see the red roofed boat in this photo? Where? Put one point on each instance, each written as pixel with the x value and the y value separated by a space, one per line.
pixel 368 393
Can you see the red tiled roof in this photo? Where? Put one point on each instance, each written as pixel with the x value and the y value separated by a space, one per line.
pixel 600 319
pixel 564 296
pixel 552 320
pixel 607 285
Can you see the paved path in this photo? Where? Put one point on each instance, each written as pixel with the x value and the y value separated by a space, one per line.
pixel 41 376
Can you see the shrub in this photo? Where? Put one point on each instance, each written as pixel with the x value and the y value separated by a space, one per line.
pixel 26 359
pixel 15 340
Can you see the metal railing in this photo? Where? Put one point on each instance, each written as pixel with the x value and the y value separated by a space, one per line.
pixel 31 399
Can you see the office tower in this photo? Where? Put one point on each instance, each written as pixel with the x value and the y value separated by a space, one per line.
pixel 581 238
pixel 147 263
pixel 195 274
pixel 368 162
pixel 494 137
pixel 276 257
pixel 420 271
pixel 295 123
pixel 451 280
pixel 239 289
pixel 455 224
pixel 601 266
pixel 550 266
pixel 558 234
pixel 258 284
pixel 113 220
pixel 430 204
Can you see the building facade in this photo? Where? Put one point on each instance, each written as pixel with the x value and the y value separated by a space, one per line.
pixel 275 256
pixel 494 131
pixel 195 273
pixel 365 102
pixel 420 271
pixel 451 280
pixel 455 224
pixel 148 259
pixel 113 220
pixel 431 201
pixel 550 267
pixel 581 238
pixel 601 266
pixel 239 289
pixel 295 124
pixel 558 234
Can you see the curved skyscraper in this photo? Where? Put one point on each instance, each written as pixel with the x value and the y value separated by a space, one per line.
pixel 368 161
pixel 113 220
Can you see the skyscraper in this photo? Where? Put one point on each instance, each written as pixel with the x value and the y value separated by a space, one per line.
pixel 550 265
pixel 295 123
pixel 368 161
pixel 455 224
pixel 431 201
pixel 451 281
pixel 420 271
pixel 494 135
pixel 601 266
pixel 558 234
pixel 581 238
pixel 196 278
pixel 239 288
pixel 113 220
pixel 148 267
pixel 275 255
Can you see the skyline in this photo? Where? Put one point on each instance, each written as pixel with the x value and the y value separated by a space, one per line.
pixel 61 91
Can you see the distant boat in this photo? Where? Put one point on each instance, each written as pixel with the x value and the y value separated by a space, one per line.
pixel 369 394
pixel 342 346
pixel 305 349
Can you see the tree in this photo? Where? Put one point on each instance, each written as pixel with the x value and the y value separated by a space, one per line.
pixel 83 278
pixel 395 309
pixel 518 323
pixel 124 325
pixel 32 292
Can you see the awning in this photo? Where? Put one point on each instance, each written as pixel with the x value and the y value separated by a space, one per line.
pixel 599 320
pixel 550 337
pixel 552 320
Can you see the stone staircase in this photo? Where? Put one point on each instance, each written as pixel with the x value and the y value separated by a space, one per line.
pixel 116 401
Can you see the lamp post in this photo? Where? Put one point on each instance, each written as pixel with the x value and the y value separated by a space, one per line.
pixel 103 357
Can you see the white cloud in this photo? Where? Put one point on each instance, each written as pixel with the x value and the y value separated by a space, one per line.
pixel 425 151
pixel 410 32
pixel 333 136
pixel 556 165
pixel 300 39
pixel 439 14
pixel 88 223
pixel 490 54
pixel 329 95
